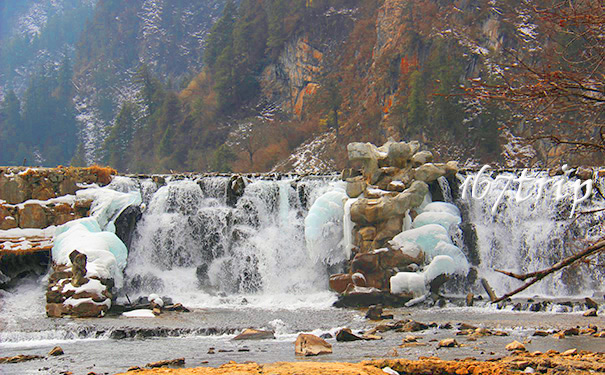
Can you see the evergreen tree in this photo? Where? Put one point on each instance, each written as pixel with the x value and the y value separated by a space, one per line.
pixel 10 124
pixel 118 143
pixel 221 35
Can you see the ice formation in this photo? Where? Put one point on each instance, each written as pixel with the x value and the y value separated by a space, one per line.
pixel 430 233
pixel 94 235
pixel 426 236
pixel 324 222
pixel 106 253
pixel 444 219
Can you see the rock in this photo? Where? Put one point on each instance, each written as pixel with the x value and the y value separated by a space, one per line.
pixel 600 334
pixel 56 310
pixel 78 267
pixel 133 368
pixel 515 346
pixel 374 312
pixel 126 222
pixel 326 336
pixel 340 282
pixel 19 358
pixel 57 350
pixel 428 172
pixel 366 210
pixel 365 153
pixel 469 299
pixel 398 154
pixel 359 279
pixel 447 343
pixel 168 362
pixel 366 263
pixel 14 189
pixel 355 187
pixel 389 371
pixel 590 312
pixel 346 334
pixel 591 304
pixel 584 173
pixel 371 336
pixel 409 339
pixel 255 334
pixel 311 345
pixel 422 157
pixel 559 335
pixel 571 331
pixel 570 352
pixel 413 326
pixel 88 310
pixel 32 215
pixel 156 311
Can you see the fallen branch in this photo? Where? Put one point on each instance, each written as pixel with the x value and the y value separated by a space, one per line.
pixel 539 275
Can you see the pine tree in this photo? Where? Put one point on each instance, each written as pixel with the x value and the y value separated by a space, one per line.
pixel 10 124
pixel 117 145
pixel 221 35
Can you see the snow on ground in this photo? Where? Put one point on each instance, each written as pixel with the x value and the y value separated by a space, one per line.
pixel 307 158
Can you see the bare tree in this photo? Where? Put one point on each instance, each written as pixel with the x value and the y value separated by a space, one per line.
pixel 555 79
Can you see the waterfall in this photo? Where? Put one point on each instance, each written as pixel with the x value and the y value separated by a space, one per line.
pixel 193 245
pixel 528 235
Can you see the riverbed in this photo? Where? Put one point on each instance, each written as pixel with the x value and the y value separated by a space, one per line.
pixel 115 343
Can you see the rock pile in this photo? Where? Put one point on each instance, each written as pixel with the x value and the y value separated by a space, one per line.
pixel 388 196
pixel 72 292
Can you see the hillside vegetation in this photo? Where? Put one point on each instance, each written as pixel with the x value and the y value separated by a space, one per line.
pixel 259 85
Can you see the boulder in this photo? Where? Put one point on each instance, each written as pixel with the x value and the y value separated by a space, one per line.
pixel 447 343
pixel 355 186
pixel 255 334
pixel 515 346
pixel 590 303
pixel 590 312
pixel 374 312
pixel 88 310
pixel 340 282
pixel 422 157
pixel 78 261
pixel 367 211
pixel 398 154
pixel 429 172
pixel 367 154
pixel 366 263
pixel 56 351
pixel 346 334
pixel 311 345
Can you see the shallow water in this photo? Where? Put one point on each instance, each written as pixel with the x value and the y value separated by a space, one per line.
pixel 106 355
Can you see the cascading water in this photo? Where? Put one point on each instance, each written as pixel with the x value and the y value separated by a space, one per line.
pixel 193 246
pixel 530 235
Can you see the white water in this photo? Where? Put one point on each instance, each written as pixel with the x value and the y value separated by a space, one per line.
pixel 532 235
pixel 190 245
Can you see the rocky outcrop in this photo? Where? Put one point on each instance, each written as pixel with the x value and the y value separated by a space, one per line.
pixel 393 183
pixel 72 292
